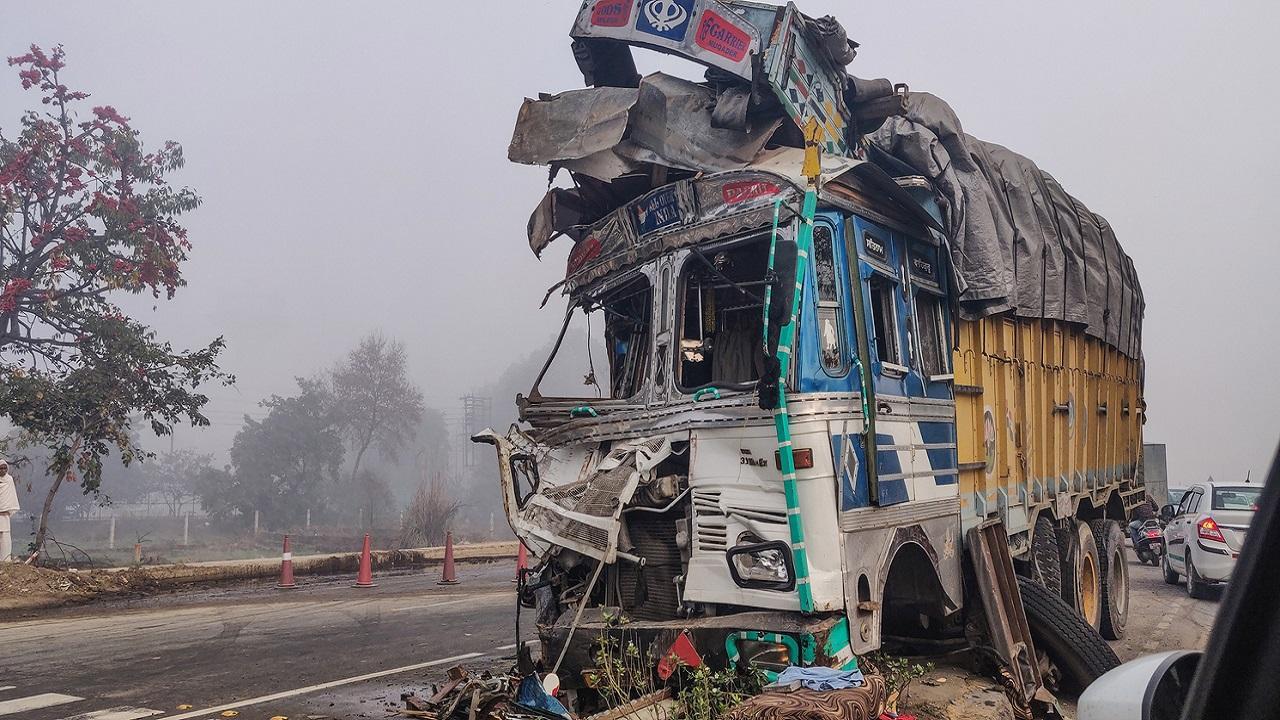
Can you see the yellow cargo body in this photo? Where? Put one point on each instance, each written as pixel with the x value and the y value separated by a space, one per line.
pixel 1048 420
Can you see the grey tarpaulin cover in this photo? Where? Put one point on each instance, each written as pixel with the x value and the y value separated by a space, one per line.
pixel 1018 240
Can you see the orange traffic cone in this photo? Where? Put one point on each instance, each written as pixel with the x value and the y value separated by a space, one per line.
pixel 522 561
pixel 365 577
pixel 286 568
pixel 448 577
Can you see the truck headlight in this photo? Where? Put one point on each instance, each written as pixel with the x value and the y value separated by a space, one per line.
pixel 764 565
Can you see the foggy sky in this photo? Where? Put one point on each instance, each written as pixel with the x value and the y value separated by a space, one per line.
pixel 352 162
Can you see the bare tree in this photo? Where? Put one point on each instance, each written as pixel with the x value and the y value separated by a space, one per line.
pixel 429 514
pixel 379 404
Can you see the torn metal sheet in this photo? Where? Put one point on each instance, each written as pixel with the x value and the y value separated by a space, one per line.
pixel 561 212
pixel 704 31
pixel 573 125
pixel 671 125
pixel 574 498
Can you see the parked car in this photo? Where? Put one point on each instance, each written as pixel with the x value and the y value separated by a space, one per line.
pixel 1206 532
pixel 1235 676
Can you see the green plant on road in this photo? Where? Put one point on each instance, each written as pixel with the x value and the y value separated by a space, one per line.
pixel 898 673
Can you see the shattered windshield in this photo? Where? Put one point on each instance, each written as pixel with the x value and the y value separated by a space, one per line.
pixel 604 352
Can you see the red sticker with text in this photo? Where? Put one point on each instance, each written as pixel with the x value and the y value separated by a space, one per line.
pixel 737 192
pixel 611 13
pixel 721 37
pixel 583 253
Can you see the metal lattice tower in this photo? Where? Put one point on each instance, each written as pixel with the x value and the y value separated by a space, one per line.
pixel 477 414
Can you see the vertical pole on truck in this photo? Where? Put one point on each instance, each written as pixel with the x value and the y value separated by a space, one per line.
pixel 786 338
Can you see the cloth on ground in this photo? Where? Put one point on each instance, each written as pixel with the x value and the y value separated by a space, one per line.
pixel 821 678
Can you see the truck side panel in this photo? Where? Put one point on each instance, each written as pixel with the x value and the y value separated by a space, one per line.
pixel 1048 418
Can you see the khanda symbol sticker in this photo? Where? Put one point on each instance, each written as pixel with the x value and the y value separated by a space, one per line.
pixel 665 15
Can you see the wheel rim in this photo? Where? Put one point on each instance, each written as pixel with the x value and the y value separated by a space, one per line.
pixel 1120 583
pixel 1089 602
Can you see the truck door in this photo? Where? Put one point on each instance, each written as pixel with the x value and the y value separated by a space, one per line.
pixel 883 342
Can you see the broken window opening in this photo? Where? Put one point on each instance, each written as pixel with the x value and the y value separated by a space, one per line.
pixel 616 326
pixel 721 313
pixel 932 331
pixel 884 316
pixel 831 333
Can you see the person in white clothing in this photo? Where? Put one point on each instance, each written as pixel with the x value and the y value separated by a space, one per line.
pixel 8 508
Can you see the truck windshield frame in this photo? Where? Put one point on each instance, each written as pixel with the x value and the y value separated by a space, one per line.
pixel 720 315
pixel 623 311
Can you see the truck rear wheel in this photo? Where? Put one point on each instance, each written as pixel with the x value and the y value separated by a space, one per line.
pixel 1046 561
pixel 1078 651
pixel 1113 571
pixel 1089 577
pixel 1081 580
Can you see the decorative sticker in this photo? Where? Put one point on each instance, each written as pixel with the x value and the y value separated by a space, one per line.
pixel 989 440
pixel 744 190
pixel 721 37
pixel 659 210
pixel 611 13
pixel 665 18
pixel 583 253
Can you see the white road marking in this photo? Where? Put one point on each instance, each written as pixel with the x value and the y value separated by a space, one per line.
pixel 117 713
pixel 35 702
pixel 512 646
pixel 321 686
pixel 7 687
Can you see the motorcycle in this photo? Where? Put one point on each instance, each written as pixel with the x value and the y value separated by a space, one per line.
pixel 1148 540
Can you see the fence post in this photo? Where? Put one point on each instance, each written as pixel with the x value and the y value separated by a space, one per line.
pixel 308 518
pixel 186 529
pixel 490 525
pixel 111 536
pixel 255 522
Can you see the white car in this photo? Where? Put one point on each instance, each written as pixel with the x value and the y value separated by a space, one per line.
pixel 1206 533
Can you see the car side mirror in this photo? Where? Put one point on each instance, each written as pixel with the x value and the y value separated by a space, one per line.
pixel 1154 687
pixel 1167 512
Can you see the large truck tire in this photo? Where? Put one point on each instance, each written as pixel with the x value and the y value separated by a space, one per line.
pixel 1088 580
pixel 1081 583
pixel 1113 570
pixel 1076 648
pixel 1046 561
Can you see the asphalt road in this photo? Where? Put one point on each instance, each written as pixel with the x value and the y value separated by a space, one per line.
pixel 327 650
pixel 312 649
pixel 1163 617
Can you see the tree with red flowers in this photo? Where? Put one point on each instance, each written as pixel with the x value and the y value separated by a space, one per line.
pixel 87 214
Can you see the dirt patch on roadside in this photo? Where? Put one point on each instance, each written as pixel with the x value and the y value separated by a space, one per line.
pixel 24 587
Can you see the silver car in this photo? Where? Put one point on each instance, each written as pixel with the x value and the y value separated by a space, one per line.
pixel 1206 532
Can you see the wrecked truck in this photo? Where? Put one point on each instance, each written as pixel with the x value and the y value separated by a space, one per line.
pixel 837 336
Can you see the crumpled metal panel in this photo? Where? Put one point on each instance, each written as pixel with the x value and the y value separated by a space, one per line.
pixel 573 125
pixel 581 514
pixel 671 125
